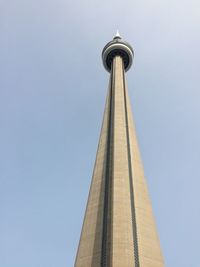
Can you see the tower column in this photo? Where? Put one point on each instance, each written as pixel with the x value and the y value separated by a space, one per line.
pixel 122 234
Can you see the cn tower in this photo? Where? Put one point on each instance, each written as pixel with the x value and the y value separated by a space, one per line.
pixel 118 228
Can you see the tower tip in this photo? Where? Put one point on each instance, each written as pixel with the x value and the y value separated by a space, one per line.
pixel 117 35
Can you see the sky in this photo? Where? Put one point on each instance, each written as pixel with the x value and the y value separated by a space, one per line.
pixel 52 95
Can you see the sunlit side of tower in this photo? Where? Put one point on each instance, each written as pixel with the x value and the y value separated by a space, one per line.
pixel 118 228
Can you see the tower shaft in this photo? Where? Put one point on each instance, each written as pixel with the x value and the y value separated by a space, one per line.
pixel 118 228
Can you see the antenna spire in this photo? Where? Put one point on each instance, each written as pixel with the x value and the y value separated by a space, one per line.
pixel 117 35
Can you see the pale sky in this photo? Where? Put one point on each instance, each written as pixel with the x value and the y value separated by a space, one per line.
pixel 52 94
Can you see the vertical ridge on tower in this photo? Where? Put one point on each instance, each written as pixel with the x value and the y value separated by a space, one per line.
pixel 118 228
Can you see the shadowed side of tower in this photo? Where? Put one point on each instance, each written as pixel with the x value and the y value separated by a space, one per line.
pixel 118 228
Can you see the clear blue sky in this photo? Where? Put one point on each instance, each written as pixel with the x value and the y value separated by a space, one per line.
pixel 52 94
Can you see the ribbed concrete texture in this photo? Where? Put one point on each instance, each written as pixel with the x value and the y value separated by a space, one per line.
pixel 118 228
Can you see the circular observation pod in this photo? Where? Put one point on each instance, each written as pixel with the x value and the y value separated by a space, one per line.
pixel 117 47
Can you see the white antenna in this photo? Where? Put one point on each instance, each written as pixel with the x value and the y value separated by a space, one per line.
pixel 117 35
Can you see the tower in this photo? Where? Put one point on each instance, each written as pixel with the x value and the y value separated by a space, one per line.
pixel 118 228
